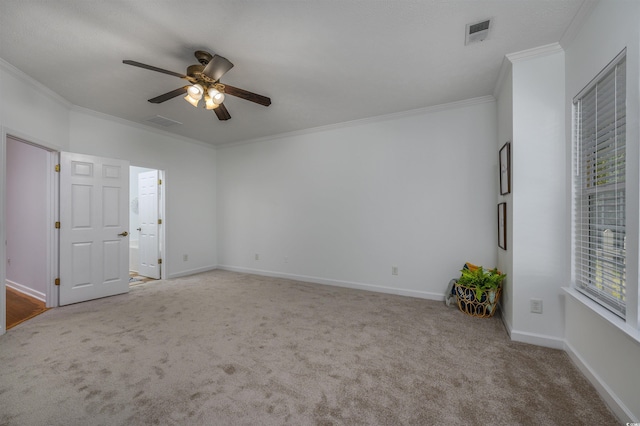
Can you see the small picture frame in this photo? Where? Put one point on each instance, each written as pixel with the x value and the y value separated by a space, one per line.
pixel 502 226
pixel 505 168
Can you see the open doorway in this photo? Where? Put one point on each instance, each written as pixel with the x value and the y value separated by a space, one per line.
pixel 145 220
pixel 30 241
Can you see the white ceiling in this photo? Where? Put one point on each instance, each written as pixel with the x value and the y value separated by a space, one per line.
pixel 321 62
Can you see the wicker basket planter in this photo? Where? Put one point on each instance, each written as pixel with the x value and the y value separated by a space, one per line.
pixel 468 302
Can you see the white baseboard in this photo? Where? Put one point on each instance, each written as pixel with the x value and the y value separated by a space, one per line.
pixel 614 403
pixel 336 283
pixel 531 338
pixel 537 339
pixel 26 290
pixel 192 271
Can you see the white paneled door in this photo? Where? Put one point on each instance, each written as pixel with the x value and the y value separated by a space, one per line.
pixel 94 222
pixel 148 210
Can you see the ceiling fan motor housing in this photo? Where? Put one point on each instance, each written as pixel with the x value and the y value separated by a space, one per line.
pixel 203 57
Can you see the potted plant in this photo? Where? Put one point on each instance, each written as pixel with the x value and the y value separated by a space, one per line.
pixel 478 290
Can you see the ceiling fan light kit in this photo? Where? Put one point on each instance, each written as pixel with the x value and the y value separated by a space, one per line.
pixel 194 94
pixel 205 82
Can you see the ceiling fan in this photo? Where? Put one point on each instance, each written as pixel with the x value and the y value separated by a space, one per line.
pixel 205 82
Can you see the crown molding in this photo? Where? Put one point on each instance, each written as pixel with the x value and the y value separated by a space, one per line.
pixel 139 126
pixel 368 120
pixel 17 73
pixel 536 52
pixel 511 58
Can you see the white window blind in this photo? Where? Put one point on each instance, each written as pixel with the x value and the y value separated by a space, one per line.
pixel 599 187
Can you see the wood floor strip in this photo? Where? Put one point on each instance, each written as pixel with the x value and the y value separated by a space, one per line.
pixel 21 307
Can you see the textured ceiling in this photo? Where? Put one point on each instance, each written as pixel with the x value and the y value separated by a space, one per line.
pixel 320 62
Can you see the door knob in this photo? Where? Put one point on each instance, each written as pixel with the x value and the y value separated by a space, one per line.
pixel 139 229
pixel 124 234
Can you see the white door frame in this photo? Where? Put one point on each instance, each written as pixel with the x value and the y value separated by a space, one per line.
pixel 52 216
pixel 162 229
pixel 149 247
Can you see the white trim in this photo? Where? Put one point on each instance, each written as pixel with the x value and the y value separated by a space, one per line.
pixel 27 290
pixel 190 272
pixel 140 126
pixel 537 339
pixel 3 215
pixel 586 8
pixel 51 238
pixel 17 73
pixel 605 314
pixel 359 122
pixel 531 338
pixel 610 398
pixel 30 140
pixel 536 52
pixel 337 283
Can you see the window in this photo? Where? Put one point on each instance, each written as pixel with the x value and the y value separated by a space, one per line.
pixel 599 187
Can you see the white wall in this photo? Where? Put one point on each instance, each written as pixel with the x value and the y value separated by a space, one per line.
pixel 540 256
pixel 32 111
pixel 27 218
pixel 341 205
pixel 608 354
pixel 189 182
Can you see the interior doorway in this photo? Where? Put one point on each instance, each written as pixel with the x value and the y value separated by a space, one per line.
pixel 30 239
pixel 145 219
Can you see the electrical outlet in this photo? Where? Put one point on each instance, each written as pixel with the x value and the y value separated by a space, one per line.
pixel 257 257
pixel 185 257
pixel 536 306
pixel 394 270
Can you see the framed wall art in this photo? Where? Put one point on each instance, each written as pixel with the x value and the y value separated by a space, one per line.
pixel 505 168
pixel 502 226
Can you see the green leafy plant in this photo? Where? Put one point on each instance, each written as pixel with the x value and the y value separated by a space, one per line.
pixel 481 279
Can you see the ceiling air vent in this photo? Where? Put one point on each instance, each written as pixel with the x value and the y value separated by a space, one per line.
pixel 477 32
pixel 163 121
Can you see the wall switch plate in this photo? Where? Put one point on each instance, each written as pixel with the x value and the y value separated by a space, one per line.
pixel 536 306
pixel 257 257
pixel 394 270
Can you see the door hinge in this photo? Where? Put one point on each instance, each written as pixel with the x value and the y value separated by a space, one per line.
pixel 57 281
pixel 58 168
pixel 159 181
pixel 57 225
pixel 159 261
pixel 159 221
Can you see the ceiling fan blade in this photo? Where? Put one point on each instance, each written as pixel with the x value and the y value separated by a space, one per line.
pixel 152 68
pixel 217 67
pixel 249 96
pixel 169 95
pixel 222 112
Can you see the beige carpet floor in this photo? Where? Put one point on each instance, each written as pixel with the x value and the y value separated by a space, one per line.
pixel 223 348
